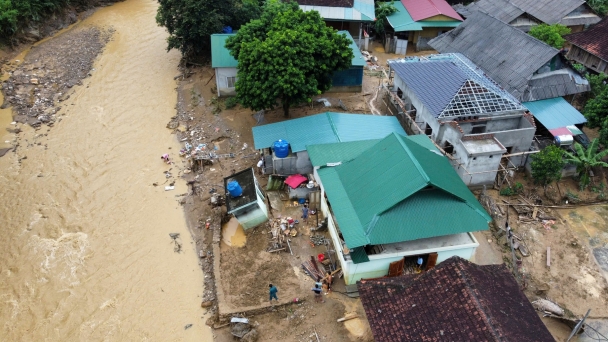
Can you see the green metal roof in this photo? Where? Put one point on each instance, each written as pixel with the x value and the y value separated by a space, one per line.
pixel 220 56
pixel 325 128
pixel 403 21
pixel 555 113
pixel 358 59
pixel 322 154
pixel 382 195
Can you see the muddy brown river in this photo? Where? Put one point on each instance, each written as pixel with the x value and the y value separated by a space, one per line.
pixel 85 252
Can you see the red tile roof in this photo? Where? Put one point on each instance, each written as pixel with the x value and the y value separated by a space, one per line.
pixel 593 40
pixel 455 301
pixel 424 9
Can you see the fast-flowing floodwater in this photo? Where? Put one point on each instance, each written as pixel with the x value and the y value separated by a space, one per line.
pixel 85 252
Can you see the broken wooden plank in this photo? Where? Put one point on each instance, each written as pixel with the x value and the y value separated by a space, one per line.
pixel 347 317
pixel 276 250
pixel 534 212
pixel 548 256
pixel 336 271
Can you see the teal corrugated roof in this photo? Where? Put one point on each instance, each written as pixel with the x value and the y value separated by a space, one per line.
pixel 325 128
pixel 323 154
pixel 220 56
pixel 427 213
pixel 555 113
pixel 432 23
pixel 423 141
pixel 362 10
pixel 403 21
pixel 358 59
pixel 374 194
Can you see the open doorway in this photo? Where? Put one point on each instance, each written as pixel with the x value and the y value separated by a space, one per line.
pixel 412 264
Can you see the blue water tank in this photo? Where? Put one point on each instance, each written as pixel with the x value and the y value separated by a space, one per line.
pixel 227 29
pixel 281 148
pixel 234 189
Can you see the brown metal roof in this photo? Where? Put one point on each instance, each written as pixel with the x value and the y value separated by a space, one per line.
pixel 455 301
pixel 594 40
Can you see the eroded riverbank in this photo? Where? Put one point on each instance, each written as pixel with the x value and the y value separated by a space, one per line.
pixel 86 252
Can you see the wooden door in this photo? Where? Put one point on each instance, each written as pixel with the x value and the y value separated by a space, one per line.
pixel 396 268
pixel 431 262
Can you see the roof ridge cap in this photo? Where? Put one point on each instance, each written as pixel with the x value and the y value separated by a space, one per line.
pixel 520 32
pixel 470 289
pixel 331 124
pixel 414 160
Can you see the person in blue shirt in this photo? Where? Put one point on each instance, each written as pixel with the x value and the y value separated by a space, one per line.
pixel 317 290
pixel 305 213
pixel 273 292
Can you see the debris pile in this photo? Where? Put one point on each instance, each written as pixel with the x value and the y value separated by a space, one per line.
pixel 44 79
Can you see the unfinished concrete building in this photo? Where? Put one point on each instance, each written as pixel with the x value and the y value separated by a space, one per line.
pixel 473 120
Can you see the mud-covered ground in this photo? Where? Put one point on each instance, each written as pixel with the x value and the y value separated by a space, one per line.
pixel 202 118
pixel 575 279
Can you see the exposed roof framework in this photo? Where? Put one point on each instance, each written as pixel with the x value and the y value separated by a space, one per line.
pixel 473 99
pixel 471 92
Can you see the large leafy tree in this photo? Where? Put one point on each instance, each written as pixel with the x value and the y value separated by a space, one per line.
pixel 191 22
pixel 547 165
pixel 599 6
pixel 596 109
pixel 383 10
pixel 551 34
pixel 287 55
pixel 585 160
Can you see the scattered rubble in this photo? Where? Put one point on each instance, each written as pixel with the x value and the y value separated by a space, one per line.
pixel 37 86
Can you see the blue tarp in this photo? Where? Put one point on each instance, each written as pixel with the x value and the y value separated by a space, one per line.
pixel 555 113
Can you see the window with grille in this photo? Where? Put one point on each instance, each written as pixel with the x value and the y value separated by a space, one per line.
pixel 230 81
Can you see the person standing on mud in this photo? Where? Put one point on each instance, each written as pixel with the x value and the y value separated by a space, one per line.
pixel 273 292
pixel 260 165
pixel 305 213
pixel 317 290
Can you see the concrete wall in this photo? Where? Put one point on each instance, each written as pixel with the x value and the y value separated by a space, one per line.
pixel 513 131
pixel 254 213
pixel 303 164
pixel 298 193
pixel 221 83
pixel 377 266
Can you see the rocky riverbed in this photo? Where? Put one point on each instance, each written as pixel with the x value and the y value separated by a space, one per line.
pixel 36 86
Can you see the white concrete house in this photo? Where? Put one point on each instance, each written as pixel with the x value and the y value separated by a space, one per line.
pixel 469 116
pixel 223 64
pixel 391 201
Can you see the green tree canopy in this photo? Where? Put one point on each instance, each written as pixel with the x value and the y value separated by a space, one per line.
pixel 547 165
pixel 596 109
pixel 599 6
pixel 585 159
pixel 551 34
pixel 191 22
pixel 287 55
pixel 383 10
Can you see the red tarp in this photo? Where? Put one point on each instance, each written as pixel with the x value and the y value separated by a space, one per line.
pixel 295 180
pixel 560 131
